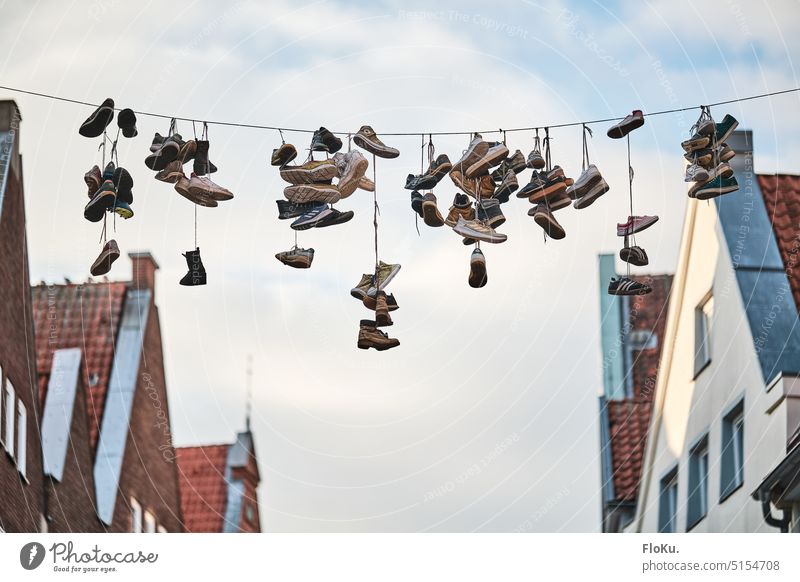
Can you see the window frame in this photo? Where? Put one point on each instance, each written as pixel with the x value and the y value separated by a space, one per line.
pixel 703 318
pixel 732 451
pixel 668 493
pixel 699 454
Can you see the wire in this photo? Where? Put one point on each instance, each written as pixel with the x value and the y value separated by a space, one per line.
pixel 409 133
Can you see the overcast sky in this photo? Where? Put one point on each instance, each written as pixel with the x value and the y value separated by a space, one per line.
pixel 485 418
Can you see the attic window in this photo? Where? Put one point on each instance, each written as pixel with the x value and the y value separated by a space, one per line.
pixel 642 339
pixel 94 378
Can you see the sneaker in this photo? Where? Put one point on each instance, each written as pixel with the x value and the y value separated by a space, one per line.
pixel 126 121
pixel 588 178
pixel 324 141
pixel 536 183
pixel 313 172
pixel 558 201
pixel 544 218
pixel 98 121
pixel 485 186
pixel 475 151
pixel 360 290
pixel 369 336
pixel 351 168
pixel 696 173
pixel 312 193
pixel 158 139
pixel 696 142
pixel 593 194
pixel 439 168
pixel 490 213
pixel 626 286
pixel 197 196
pixel 702 157
pixel 723 170
pixel 311 218
pixel 288 209
pixel 627 125
pixel 516 162
pixel 171 173
pixel 716 187
pixel 725 128
pixel 725 152
pixel 108 255
pixel 123 183
pixel 635 224
pixel 202 185
pixel 535 160
pixel 507 186
pixel 296 257
pixel 102 200
pixel 123 209
pixel 108 171
pixel 554 183
pixel 366 184
pixel 420 182
pixel 282 155
pixel 477 270
pixel 336 217
pixel 188 151
pixel 477 230
pixel 197 272
pixel 386 272
pixel 430 211
pixel 496 153
pixel 382 317
pixel 367 139
pixel 634 255
pixel 167 151
pixel 416 203
pixel 93 179
pixel 461 208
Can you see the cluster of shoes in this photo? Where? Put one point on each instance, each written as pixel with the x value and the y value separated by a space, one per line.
pixel 109 190
pixel 708 156
pixel 371 291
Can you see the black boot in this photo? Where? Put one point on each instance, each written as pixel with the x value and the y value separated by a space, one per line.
pixel 197 272
pixel 202 165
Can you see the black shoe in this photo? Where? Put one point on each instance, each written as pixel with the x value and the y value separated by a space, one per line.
pixel 102 201
pixel 197 272
pixel 490 213
pixel 97 122
pixel 158 139
pixel 325 141
pixel 166 152
pixel 634 255
pixel 335 217
pixel 420 182
pixel 126 120
pixel 288 209
pixel 123 182
pixel 416 203
pixel 626 286
pixel 202 165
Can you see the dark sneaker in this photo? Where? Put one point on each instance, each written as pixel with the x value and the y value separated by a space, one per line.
pixel 439 167
pixel 725 128
pixel 496 153
pixel 108 255
pixel 716 187
pixel 324 141
pixel 167 152
pixel 516 162
pixel 477 270
pixel 536 183
pixel 544 218
pixel 634 255
pixel 171 173
pixel 283 155
pixel 507 187
pixel 430 211
pixel 461 208
pixel 296 257
pixel 312 218
pixel 336 217
pixel 420 182
pixel 626 286
pixel 725 152
pixel 535 160
pixel 288 209
pixel 103 200
pixel 477 230
pixel 489 212
pixel 158 139
pixel 123 182
pixel 635 224
pixel 108 171
pixel 627 125
pixel 367 139
pixel 696 142
pixel 123 209
pixel 369 336
pixel 592 194
pixel 554 184
pixel 559 200
pixel 93 179
pixel 126 120
pixel 197 272
pixel 416 203
pixel 97 122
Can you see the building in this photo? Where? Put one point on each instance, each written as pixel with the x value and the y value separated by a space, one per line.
pixel 632 333
pixel 721 452
pixel 218 486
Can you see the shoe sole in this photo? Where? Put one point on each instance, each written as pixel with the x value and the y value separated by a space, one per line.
pixel 299 175
pixel 550 226
pixel 643 226
pixel 477 274
pixel 699 143
pixel 644 291
pixel 200 200
pixel 93 212
pixel 301 193
pixel 366 184
pixel 341 218
pixel 488 238
pixel 103 263
pixel 630 257
pixel 482 166
pixel 430 214
pixel 365 345
pixel 715 192
pixel 296 263
pixel 171 177
pixel 100 119
pixel 218 195
pixel 166 154
pixel 596 192
pixel 350 180
pixel 622 129
pixel 536 164
pixel 382 151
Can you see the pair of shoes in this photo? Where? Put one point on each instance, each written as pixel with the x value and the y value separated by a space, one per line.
pixel 351 169
pixel 101 118
pixel 108 255
pixel 627 286
pixel 369 336
pixel 627 125
pixel 367 139
pixel 366 286
pixel 589 186
pixel 321 216
pixel 111 190
pixel 427 209
pixel 296 257
pixel 197 272
pixel 437 170
pixel 706 133
pixel 480 156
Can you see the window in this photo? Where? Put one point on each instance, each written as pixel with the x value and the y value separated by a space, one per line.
pixel 697 507
pixel 149 522
pixel 10 413
pixel 668 503
pixel 136 516
pixel 22 439
pixel 732 467
pixel 703 315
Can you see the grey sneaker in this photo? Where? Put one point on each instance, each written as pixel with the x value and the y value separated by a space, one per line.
pixel 475 229
pixel 296 257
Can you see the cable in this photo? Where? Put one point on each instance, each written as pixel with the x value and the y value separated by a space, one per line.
pixel 410 133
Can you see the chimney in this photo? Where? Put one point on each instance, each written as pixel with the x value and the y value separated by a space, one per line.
pixel 144 270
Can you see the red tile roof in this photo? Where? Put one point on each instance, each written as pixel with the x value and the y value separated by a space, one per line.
pixel 203 489
pixel 781 194
pixel 79 316
pixel 628 420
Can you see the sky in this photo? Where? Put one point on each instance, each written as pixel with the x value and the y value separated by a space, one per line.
pixel 485 418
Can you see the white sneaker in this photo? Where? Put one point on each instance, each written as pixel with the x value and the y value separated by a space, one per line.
pixel 696 173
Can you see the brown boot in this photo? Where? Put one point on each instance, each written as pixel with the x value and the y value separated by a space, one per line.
pixel 382 318
pixel 369 336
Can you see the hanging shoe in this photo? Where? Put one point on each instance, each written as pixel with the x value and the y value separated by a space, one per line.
pixel 126 121
pixel 485 188
pixel 725 128
pixel 516 162
pixel 477 230
pixel 725 152
pixel 461 208
pixel 496 153
pixel 351 168
pixel 97 122
pixel 430 211
pixel 588 178
pixel 559 200
pixel 108 255
pixel 123 209
pixel 553 183
pixel 366 184
pixel 363 286
pixel 297 258
pixel 696 142
pixel 507 186
pixel 702 157
pixel 627 286
pixel 535 159
pixel 490 213
pixel 475 151
pixel 369 336
pixel 202 165
pixel 592 194
pixel 311 218
pixel 370 302
pixel 203 186
pixel 158 140
pixel 312 172
pixel 544 218
pixel 197 272
pixel 108 171
pixel 123 182
pixel 386 272
pixel 634 255
pixel 171 173
pixel 416 203
pixel 324 141
pixel 635 224
pixel 93 179
pixel 535 184
pixel 696 173
pixel 187 152
pixel 420 182
pixel 103 200
pixel 312 193
pixel 367 139
pixel 477 270
pixel 167 151
pixel 288 209
pixel 336 218
pixel 439 168
pixel 627 125
pixel 283 154
pixel 716 187
pixel 382 317
pixel 197 196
